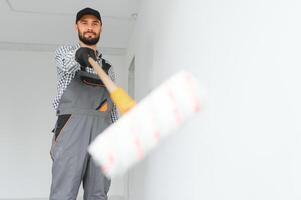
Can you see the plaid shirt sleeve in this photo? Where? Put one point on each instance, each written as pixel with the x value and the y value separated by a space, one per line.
pixel 64 57
pixel 114 113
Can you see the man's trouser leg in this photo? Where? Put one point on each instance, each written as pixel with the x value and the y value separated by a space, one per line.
pixel 71 162
pixel 96 185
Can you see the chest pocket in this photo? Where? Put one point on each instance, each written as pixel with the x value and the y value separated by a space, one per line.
pixel 91 81
pixel 95 81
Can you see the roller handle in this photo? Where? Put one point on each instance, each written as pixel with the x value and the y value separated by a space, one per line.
pixel 119 96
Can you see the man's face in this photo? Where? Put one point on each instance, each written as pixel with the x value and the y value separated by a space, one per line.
pixel 89 29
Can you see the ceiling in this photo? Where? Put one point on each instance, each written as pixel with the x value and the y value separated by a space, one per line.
pixel 40 25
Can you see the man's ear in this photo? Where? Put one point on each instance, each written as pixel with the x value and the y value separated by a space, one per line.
pixel 76 28
pixel 100 31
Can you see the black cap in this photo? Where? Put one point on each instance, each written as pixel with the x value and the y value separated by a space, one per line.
pixel 87 11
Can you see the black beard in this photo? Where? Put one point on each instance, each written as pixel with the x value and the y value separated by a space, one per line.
pixel 88 41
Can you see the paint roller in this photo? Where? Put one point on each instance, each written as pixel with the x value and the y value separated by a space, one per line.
pixel 145 124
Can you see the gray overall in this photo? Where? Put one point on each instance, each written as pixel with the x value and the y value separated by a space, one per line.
pixel 83 113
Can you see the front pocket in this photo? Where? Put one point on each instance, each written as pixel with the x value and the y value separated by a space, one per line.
pixel 61 123
pixel 103 106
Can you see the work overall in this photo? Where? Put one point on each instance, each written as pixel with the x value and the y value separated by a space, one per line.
pixel 83 113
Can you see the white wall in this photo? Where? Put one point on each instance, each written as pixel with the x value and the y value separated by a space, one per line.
pixel 28 86
pixel 246 144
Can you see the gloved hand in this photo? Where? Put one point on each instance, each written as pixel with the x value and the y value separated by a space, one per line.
pixel 82 55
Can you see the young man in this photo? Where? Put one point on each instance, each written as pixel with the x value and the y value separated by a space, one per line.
pixel 84 110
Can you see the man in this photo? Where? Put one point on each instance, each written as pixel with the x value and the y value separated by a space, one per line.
pixel 84 110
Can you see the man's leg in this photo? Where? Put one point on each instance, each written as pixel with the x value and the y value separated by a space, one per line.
pixel 69 157
pixel 96 185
